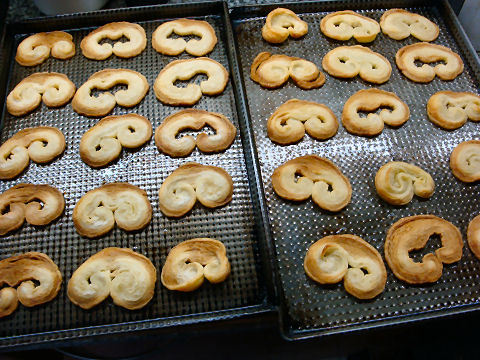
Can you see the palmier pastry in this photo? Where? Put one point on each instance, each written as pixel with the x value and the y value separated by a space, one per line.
pixel 473 236
pixel 128 277
pixel 85 104
pixel 36 48
pixel 450 110
pixel 53 88
pixel 288 123
pixel 210 185
pixel 137 41
pixel 342 25
pixel 465 161
pixel 103 143
pixel 400 24
pixel 124 204
pixel 428 53
pixel 412 233
pixel 371 100
pixel 319 178
pixel 350 61
pixel 280 24
pixel 191 261
pixel 397 181
pixel 272 71
pixel 41 144
pixel 185 69
pixel 19 271
pixel 166 134
pixel 347 257
pixel 184 27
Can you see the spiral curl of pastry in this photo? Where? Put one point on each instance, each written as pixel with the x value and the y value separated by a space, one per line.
pixel 451 110
pixel 184 27
pixel 19 271
pixel 371 100
pixel 210 185
pixel 317 175
pixel 272 71
pixel 191 261
pixel 37 48
pixel 280 24
pixel 100 209
pixel 288 123
pixel 428 53
pixel 168 93
pixel 337 257
pixel 397 181
pixel 103 143
pixel 40 144
pixel 473 236
pixel 137 41
pixel 124 275
pixel 166 134
pixel 400 24
pixel 54 89
pixel 350 61
pixel 465 161
pixel 85 104
pixel 412 233
pixel 343 25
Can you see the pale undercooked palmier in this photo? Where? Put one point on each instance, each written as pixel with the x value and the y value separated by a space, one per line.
pixel 400 24
pixel 281 23
pixel 465 161
pixel 343 25
pixel 451 110
pixel 473 236
pixel 36 48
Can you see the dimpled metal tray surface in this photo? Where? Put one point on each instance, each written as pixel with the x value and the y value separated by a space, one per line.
pixel 310 309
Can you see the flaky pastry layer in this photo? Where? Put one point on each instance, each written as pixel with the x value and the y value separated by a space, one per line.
pixel 451 110
pixel 465 161
pixel 282 23
pixel 36 48
pixel 473 236
pixel 343 25
pixel 400 24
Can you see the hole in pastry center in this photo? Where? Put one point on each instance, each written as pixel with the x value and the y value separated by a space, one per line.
pixel 374 66
pixel 95 92
pixel 362 113
pixel 132 129
pixel 330 187
pixel 343 60
pixel 5 209
pixel 98 147
pixel 197 79
pixel 106 40
pixel 297 175
pixel 434 242
pixel 40 203
pixel 35 282
pixel 420 63
pixel 187 131
pixel 44 143
pixel 9 156
pixel 187 38
pixel 100 204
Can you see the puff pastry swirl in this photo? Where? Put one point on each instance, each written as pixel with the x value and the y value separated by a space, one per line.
pixel 400 24
pixel 473 236
pixel 465 161
pixel 37 48
pixel 343 25
pixel 451 110
pixel 280 24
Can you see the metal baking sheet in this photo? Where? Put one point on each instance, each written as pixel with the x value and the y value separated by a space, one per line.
pixel 307 308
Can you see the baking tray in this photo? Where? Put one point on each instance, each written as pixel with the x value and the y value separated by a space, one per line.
pixel 307 308
pixel 246 291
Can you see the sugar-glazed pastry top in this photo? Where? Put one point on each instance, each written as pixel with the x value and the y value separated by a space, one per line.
pixel 451 110
pixel 347 257
pixel 54 89
pixel 465 161
pixel 191 261
pixel 210 185
pixel 289 122
pixel 449 69
pixel 400 24
pixel 350 61
pixel 168 93
pixel 280 24
pixel 162 42
pixel 41 144
pixel 85 103
pixel 128 277
pixel 343 25
pixel 272 71
pixel 36 48
pixel 19 271
pixel 103 143
pixel 137 41
pixel 412 233
pixel 100 209
pixel 166 134
pixel 314 176
pixel 473 236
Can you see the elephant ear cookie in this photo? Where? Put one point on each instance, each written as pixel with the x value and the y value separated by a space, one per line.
pixel 465 161
pixel 428 53
pixel 311 175
pixel 192 261
pixel 349 258
pixel 288 123
pixel 168 143
pixel 36 48
pixel 343 25
pixel 280 24
pixel 400 24
pixel 137 41
pixel 126 276
pixel 184 27
pixel 473 236
pixel 451 110
pixel 350 61
pixel 412 233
